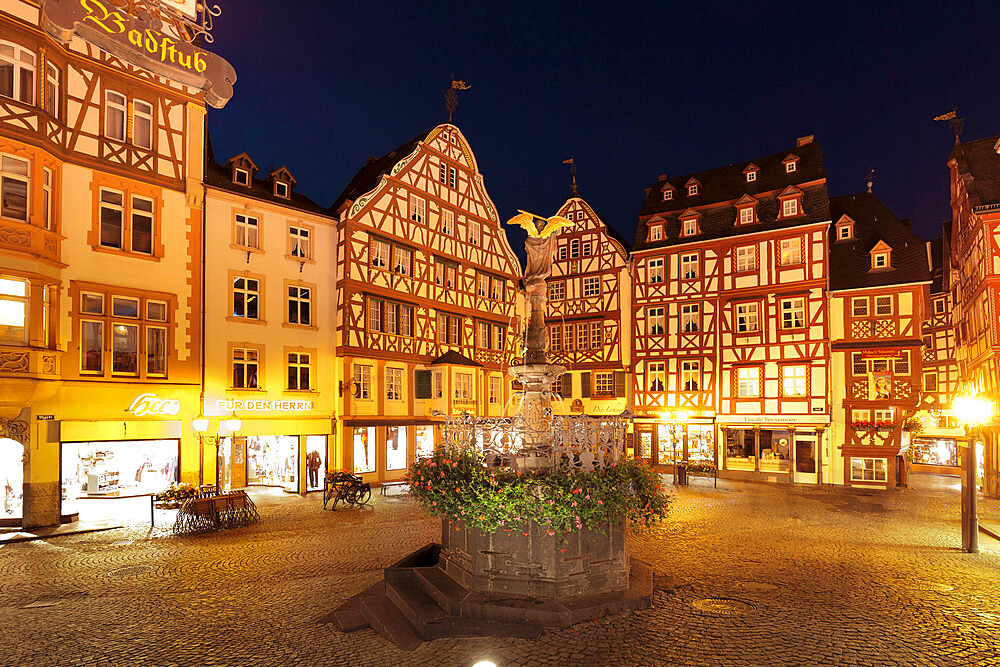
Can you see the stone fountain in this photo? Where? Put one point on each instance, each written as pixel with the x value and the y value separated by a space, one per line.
pixel 514 583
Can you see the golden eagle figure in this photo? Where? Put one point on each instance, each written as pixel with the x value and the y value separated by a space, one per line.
pixel 527 222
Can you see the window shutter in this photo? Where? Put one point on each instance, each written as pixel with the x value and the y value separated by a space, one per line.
pixel 585 385
pixel 567 385
pixel 423 382
pixel 620 383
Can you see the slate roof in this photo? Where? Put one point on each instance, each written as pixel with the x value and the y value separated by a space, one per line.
pixel 979 168
pixel 850 263
pixel 936 249
pixel 611 231
pixel 220 176
pixel 371 173
pixel 725 185
pixel 456 358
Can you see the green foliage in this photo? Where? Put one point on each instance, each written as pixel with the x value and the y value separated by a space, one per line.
pixel 458 486
pixel 176 493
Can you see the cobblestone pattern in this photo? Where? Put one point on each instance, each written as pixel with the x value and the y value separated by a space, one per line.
pixel 835 578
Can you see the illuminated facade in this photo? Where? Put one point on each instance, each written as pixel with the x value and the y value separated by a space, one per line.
pixel 879 282
pixel 974 279
pixel 99 267
pixel 426 291
pixel 730 334
pixel 589 292
pixel 269 275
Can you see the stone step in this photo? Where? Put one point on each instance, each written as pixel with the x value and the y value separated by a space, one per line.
pixel 387 620
pixel 454 626
pixel 418 607
pixel 447 592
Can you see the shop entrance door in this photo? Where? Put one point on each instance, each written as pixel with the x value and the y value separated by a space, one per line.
pixel 805 458
pixel 238 462
pixel 11 481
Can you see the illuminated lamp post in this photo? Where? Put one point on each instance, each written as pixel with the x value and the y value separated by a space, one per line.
pixel 675 422
pixel 200 424
pixel 973 412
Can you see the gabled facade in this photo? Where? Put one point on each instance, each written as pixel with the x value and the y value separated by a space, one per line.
pixel 879 282
pixel 426 293
pixel 974 278
pixel 270 281
pixel 100 271
pixel 588 318
pixel 730 341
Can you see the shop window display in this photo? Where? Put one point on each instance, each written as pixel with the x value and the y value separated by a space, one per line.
pixel 315 461
pixel 700 443
pixel 395 447
pixel 12 478
pixel 740 449
pixel 364 449
pixel 425 441
pixel 667 450
pixel 933 452
pixel 272 460
pixel 775 450
pixel 121 468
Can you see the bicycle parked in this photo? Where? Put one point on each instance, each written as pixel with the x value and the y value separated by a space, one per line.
pixel 343 486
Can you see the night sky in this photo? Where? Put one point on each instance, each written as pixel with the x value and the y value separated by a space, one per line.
pixel 629 90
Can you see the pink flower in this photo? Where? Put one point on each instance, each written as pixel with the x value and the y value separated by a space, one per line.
pixel 574 504
pixel 587 496
pixel 434 503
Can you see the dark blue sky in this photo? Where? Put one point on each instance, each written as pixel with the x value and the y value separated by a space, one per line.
pixel 629 90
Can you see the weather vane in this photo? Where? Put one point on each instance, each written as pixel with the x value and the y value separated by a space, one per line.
pixel 956 123
pixel 870 178
pixel 451 97
pixel 572 172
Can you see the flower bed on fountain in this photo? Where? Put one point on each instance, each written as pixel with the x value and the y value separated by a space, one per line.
pixel 539 534
pixel 458 486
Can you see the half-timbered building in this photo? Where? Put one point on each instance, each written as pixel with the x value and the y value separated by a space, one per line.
pixel 935 448
pixel 974 177
pixel 100 284
pixel 730 341
pixel 269 268
pixel 426 293
pixel 879 282
pixel 588 318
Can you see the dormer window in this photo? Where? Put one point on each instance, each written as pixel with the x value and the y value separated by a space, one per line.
pixel 241 176
pixel 790 167
pixel 845 229
pixel 751 176
pixel 750 172
pixel 692 187
pixel 791 163
pixel 656 232
pixel 689 223
pixel 281 189
pixel 746 210
pixel 881 257
pixel 668 193
pixel 791 203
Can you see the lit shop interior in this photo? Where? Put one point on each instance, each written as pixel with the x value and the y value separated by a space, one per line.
pixel 12 479
pixel 272 460
pixel 938 455
pixel 97 477
pixel 394 455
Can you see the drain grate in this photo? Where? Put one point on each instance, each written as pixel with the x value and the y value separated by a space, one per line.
pixel 54 599
pixel 123 543
pixel 130 571
pixel 756 586
pixel 722 606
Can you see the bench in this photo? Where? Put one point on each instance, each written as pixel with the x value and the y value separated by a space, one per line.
pixel 386 485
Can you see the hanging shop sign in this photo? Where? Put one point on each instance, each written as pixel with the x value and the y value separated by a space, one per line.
pixel 239 405
pixel 151 404
pixel 141 41
pixel 882 353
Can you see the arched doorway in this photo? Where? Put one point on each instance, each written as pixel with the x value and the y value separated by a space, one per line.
pixel 11 480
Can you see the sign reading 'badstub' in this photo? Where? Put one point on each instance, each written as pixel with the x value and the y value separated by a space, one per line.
pixel 141 42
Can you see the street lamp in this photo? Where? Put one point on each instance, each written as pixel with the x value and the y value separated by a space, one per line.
pixel 675 425
pixel 973 412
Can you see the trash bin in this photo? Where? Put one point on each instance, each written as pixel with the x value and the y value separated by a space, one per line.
pixel 681 474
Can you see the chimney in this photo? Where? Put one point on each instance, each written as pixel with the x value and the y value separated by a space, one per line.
pixel 802 141
pixel 661 178
pixel 648 190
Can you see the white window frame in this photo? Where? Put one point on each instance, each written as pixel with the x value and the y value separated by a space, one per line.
pixel 447 221
pixel 115 106
pixel 668 194
pixel 23 61
pixel 463 386
pixel 241 176
pixel 870 470
pixel 655 320
pixel 47 201
pixel 859 306
pixel 402 260
pixel 494 391
pixel 300 298
pixel 657 371
pixel 114 208
pixel 247 358
pixel 746 258
pixel 883 305
pixel 249 292
pixel 747 381
pixel 794 381
pixel 556 290
pixel 474 233
pixel 393 383
pixel 751 176
pixel 791 308
pixel 381 254
pixel 418 208
pixel 690 375
pixel 604 384
pixel 19 299
pixel 139 214
pixel 247 231
pixel 281 190
pixel 692 189
pixel 746 215
pixel 298 242
pixel 301 364
pixel 790 251
pixel 690 317
pixel 142 113
pixel 363 380
pixel 654 270
pixel 656 232
pixel 690 268
pixel 748 317
pixel 591 286
pixel 845 232
pixel 15 176
pixel 791 165
pixel 880 260
pixel 689 227
pixel 790 208
pixel 53 90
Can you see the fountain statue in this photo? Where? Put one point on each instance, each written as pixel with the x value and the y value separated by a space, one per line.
pixel 519 570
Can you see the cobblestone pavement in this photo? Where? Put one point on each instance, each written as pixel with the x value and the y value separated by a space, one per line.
pixel 832 577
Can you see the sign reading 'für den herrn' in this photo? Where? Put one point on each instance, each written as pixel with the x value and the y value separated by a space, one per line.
pixel 141 42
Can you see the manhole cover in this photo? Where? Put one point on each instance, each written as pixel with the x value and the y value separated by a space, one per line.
pixel 936 586
pixel 724 606
pixel 130 571
pixel 756 586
